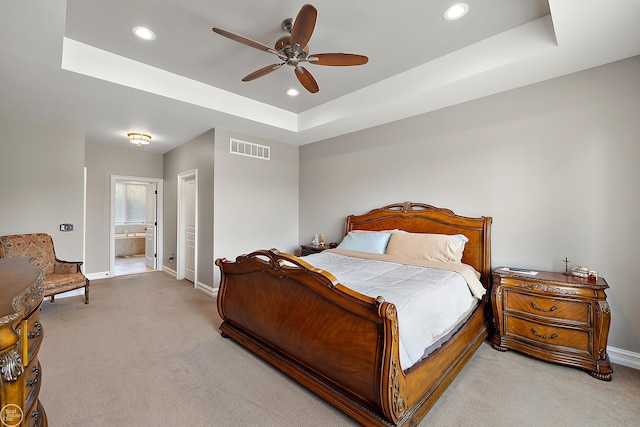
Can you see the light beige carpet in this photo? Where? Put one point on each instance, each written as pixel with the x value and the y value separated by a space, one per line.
pixel 147 352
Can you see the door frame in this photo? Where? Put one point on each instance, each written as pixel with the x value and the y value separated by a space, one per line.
pixel 112 217
pixel 181 226
pixel 154 259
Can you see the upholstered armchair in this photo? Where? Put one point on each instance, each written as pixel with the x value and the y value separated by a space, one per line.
pixel 59 276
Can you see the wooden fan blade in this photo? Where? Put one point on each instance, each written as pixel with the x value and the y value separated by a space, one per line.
pixel 262 72
pixel 306 79
pixel 244 40
pixel 303 26
pixel 337 59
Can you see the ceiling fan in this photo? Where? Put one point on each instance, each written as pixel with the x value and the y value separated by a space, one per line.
pixel 293 49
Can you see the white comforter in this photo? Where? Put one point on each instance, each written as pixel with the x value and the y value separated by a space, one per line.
pixel 429 301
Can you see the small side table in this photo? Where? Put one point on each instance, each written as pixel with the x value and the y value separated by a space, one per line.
pixel 310 248
pixel 554 317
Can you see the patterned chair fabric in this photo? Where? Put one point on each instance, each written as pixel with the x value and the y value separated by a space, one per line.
pixel 59 276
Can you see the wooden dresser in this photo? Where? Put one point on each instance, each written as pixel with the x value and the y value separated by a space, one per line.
pixel 554 317
pixel 20 338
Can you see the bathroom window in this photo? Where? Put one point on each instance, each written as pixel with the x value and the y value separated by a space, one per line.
pixel 131 203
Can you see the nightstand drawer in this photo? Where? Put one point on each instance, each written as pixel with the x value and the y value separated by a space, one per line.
pixel 578 312
pixel 564 339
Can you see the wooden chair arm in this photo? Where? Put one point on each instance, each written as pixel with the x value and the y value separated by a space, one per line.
pixel 66 267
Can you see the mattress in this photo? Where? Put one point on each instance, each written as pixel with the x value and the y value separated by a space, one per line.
pixel 430 302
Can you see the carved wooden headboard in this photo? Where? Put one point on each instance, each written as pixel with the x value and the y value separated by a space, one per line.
pixel 423 218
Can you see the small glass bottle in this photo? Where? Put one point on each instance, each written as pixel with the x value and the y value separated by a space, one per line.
pixel 322 240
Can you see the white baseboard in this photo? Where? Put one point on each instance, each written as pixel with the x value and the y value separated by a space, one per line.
pixel 169 271
pixel 98 275
pixel 207 289
pixel 105 274
pixel 200 286
pixel 624 357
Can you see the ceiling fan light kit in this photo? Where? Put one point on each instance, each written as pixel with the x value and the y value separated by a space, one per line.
pixel 293 49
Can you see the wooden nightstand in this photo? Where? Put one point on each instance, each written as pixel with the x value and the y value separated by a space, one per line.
pixel 554 317
pixel 310 248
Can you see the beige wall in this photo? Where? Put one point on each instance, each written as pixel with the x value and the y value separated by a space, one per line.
pixel 196 154
pixel 102 162
pixel 41 183
pixel 555 164
pixel 244 203
pixel 255 200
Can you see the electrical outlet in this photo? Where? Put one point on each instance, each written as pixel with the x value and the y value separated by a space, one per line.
pixel 66 227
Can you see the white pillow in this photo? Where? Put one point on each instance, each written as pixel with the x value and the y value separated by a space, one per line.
pixel 434 247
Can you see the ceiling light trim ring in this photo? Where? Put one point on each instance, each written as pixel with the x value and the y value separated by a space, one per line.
pixel 143 33
pixel 456 11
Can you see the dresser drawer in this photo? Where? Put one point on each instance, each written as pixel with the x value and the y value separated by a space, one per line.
pixel 552 337
pixel 35 416
pixel 578 312
pixel 33 333
pixel 32 376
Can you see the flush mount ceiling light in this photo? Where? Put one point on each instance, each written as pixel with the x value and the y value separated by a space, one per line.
pixel 143 33
pixel 456 11
pixel 139 139
pixel 293 92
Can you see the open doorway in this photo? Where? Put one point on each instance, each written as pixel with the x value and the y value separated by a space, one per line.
pixel 135 236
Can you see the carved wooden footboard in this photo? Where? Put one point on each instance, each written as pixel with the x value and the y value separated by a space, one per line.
pixel 338 343
pixel 266 300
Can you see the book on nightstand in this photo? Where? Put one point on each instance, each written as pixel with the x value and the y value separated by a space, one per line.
pixel 519 270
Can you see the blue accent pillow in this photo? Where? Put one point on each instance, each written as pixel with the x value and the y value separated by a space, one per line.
pixel 375 242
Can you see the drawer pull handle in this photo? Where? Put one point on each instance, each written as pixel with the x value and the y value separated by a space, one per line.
pixel 36 334
pixel 546 310
pixel 31 383
pixel 544 337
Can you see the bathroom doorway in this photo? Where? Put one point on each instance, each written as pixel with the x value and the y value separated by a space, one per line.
pixel 135 232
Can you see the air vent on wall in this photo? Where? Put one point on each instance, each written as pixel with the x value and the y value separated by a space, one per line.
pixel 249 149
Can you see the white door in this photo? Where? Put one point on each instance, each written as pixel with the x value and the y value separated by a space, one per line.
pixel 150 252
pixel 190 229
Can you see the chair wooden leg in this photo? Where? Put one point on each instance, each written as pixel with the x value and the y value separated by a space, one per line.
pixel 52 297
pixel 86 294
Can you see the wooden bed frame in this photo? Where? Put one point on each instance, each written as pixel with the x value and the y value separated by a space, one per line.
pixel 343 345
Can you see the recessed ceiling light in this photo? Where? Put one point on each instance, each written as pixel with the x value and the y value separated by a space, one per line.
pixel 143 33
pixel 456 11
pixel 293 92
